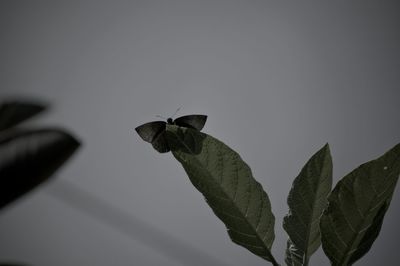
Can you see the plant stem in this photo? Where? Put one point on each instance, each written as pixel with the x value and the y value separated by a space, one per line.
pixel 305 260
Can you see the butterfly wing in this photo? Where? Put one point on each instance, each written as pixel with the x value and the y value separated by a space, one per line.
pixel 149 131
pixel 154 133
pixel 191 121
pixel 160 143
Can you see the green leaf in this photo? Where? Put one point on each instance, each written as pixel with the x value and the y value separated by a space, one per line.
pixel 228 186
pixel 357 206
pixel 30 157
pixel 293 256
pixel 13 113
pixel 307 200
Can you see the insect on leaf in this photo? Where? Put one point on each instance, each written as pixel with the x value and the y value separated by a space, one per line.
pixel 154 132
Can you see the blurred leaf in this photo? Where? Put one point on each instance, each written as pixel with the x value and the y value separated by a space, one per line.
pixel 357 206
pixel 30 157
pixel 228 186
pixel 14 112
pixel 307 200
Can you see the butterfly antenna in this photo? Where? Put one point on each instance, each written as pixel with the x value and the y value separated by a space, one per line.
pixel 177 110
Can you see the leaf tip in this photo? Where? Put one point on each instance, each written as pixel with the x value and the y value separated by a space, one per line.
pixel 326 147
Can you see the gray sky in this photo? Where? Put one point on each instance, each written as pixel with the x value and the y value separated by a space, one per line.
pixel 277 81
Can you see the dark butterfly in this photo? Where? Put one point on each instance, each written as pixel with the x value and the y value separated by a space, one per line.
pixel 154 132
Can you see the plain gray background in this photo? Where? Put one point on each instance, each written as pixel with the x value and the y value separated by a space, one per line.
pixel 277 79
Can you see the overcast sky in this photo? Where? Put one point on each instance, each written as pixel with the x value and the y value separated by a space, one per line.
pixel 277 80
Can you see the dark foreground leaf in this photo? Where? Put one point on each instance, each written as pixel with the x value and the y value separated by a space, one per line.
pixel 14 112
pixel 228 186
pixel 357 206
pixel 307 200
pixel 30 157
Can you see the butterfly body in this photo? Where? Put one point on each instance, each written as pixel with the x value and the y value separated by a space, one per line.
pixel 154 132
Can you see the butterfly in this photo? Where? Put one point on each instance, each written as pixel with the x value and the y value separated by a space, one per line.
pixel 154 132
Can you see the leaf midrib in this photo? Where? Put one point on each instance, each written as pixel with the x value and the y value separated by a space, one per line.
pixel 306 258
pixel 227 196
pixel 347 256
